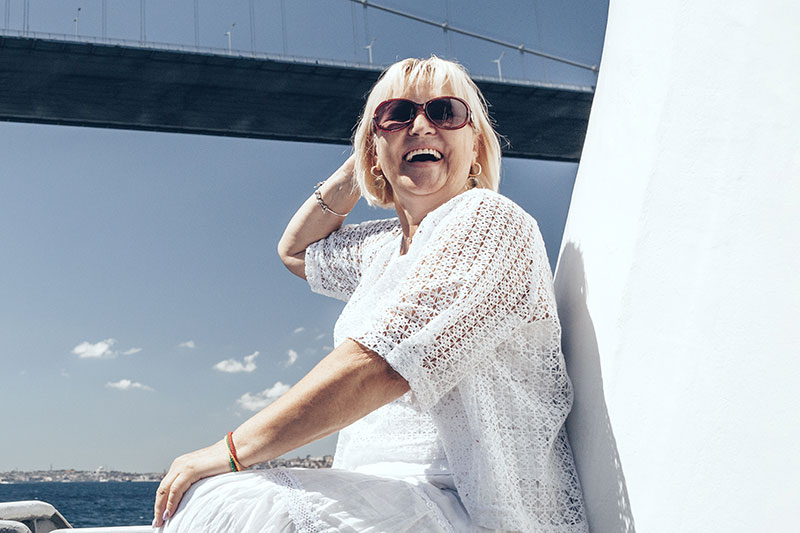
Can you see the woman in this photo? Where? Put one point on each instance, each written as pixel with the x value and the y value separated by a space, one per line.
pixel 447 379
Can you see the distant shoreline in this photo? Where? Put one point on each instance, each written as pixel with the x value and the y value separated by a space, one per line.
pixel 68 481
pixel 105 476
pixel 77 476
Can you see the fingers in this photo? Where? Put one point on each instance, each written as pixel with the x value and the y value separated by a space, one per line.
pixel 169 494
pixel 184 471
pixel 175 494
pixel 162 496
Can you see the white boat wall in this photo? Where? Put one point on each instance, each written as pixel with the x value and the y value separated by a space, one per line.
pixel 33 516
pixel 677 280
pixel 111 529
pixel 30 516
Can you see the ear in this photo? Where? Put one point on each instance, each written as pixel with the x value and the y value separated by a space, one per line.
pixel 374 151
pixel 375 162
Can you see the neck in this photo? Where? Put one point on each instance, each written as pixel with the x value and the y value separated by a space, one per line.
pixel 411 216
pixel 412 211
pixel 409 225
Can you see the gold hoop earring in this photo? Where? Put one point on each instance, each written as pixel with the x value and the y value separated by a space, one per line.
pixel 472 179
pixel 380 179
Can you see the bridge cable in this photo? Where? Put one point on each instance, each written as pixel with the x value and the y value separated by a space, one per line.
pixel 447 37
pixel 197 23
pixel 366 28
pixel 283 27
pixel 538 33
pixel 355 33
pixel 104 18
pixel 252 26
pixel 142 30
pixel 521 47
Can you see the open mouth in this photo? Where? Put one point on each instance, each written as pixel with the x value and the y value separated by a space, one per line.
pixel 421 155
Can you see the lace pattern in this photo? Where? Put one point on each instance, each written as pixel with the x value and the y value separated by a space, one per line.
pixel 301 512
pixel 468 317
pixel 435 511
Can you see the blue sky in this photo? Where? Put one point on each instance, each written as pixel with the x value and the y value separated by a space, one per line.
pixel 143 309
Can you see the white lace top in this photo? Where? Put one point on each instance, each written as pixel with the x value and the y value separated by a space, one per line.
pixel 468 318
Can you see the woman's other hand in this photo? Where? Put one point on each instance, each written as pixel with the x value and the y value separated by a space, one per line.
pixel 310 224
pixel 185 471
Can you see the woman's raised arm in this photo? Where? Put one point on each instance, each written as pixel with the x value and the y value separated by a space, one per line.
pixel 311 223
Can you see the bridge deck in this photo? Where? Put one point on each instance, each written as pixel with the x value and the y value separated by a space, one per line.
pixel 105 85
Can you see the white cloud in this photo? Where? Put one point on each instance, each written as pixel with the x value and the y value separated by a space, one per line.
pixel 98 350
pixel 187 344
pixel 233 366
pixel 126 384
pixel 320 336
pixel 291 358
pixel 301 329
pixel 259 400
pixel 327 348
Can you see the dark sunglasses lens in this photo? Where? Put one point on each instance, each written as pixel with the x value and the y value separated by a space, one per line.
pixel 395 115
pixel 447 112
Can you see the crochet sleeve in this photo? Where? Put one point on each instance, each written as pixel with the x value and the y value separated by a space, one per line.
pixel 482 273
pixel 333 265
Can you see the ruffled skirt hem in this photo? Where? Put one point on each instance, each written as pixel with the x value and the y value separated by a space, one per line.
pixel 317 501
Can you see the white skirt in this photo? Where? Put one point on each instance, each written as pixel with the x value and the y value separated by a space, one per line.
pixel 312 501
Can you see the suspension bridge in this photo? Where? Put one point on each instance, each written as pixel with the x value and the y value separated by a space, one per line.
pixel 113 83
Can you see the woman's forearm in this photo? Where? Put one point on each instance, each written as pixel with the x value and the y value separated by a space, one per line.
pixel 349 383
pixel 311 223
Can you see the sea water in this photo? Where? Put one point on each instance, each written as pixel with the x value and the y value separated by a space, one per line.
pixel 91 503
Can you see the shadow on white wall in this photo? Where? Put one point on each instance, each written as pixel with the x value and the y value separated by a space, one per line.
pixel 608 508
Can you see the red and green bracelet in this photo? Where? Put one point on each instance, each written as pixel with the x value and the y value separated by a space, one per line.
pixel 236 466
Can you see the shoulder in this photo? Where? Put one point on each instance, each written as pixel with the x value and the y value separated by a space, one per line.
pixel 484 206
pixel 362 239
pixel 368 228
pixel 480 223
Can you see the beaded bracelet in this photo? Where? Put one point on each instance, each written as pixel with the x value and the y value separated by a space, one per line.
pixel 322 204
pixel 236 466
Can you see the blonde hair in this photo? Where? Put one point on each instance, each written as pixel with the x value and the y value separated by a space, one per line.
pixel 432 72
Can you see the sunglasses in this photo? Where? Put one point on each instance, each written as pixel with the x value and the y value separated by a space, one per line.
pixel 446 112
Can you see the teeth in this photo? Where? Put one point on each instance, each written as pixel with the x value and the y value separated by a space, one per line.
pixel 422 151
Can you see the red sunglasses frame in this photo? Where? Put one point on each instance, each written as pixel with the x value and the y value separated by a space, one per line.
pixel 424 109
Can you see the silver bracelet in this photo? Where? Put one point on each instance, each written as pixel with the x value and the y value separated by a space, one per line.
pixel 321 202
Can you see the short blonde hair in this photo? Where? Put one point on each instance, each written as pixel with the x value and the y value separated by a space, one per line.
pixel 432 72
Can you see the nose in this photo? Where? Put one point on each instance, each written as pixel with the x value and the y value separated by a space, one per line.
pixel 421 125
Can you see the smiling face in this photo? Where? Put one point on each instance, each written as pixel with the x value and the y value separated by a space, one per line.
pixel 425 165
